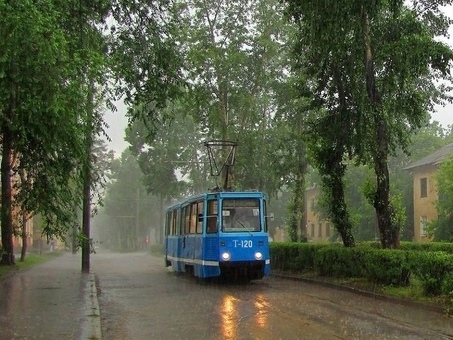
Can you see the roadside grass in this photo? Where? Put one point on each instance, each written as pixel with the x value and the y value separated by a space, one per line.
pixel 413 292
pixel 30 261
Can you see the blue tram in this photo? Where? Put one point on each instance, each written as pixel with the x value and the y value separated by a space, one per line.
pixel 219 234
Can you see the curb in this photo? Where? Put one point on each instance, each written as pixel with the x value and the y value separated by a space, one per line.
pixel 406 302
pixel 91 324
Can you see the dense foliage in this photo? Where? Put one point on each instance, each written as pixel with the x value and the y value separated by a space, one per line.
pixel 368 94
pixel 326 93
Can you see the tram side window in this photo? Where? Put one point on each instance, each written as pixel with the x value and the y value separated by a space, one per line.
pixel 198 213
pixel 171 222
pixel 168 223
pixel 212 217
pixel 193 218
pixel 195 226
pixel 181 221
pixel 174 222
pixel 186 219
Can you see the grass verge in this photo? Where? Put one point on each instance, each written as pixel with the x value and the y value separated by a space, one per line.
pixel 413 292
pixel 30 260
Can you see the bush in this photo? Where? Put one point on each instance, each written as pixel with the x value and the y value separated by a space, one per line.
pixel 447 285
pixel 292 256
pixel 339 261
pixel 391 267
pixel 431 268
pixel 428 246
pixel 387 267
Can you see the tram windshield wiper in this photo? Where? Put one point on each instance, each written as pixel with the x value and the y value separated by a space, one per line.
pixel 245 227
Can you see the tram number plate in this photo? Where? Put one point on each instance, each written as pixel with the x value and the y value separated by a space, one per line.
pixel 243 243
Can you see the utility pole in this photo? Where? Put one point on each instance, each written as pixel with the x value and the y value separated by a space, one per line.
pixel 137 212
pixel 87 183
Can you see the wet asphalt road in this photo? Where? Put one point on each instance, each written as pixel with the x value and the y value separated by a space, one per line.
pixel 140 299
pixel 47 301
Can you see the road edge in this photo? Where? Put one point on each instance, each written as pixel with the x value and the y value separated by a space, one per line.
pixel 91 324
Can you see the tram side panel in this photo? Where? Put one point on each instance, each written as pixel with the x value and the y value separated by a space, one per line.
pixel 210 264
pixel 187 248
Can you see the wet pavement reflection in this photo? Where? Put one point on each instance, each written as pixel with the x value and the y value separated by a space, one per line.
pixel 140 299
pixel 44 302
pixel 228 317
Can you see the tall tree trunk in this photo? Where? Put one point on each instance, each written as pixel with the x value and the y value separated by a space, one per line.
pixel 389 234
pixel 24 233
pixel 86 219
pixel 302 169
pixel 138 236
pixel 75 231
pixel 294 213
pixel 6 206
pixel 24 236
pixel 337 168
pixel 162 220
pixel 297 226
pixel 339 216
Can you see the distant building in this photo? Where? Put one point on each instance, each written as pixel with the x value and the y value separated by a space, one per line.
pixel 425 194
pixel 318 228
pixel 280 234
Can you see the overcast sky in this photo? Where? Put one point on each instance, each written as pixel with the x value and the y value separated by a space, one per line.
pixel 117 121
pixel 444 115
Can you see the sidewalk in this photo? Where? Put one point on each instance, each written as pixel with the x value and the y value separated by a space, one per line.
pixel 53 300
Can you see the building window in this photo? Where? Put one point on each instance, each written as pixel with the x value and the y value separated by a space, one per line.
pixel 327 229
pixel 423 223
pixel 313 230
pixel 320 230
pixel 423 187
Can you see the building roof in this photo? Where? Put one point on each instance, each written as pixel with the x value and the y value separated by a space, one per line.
pixel 435 158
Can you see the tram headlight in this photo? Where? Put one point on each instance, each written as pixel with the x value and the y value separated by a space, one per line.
pixel 258 255
pixel 226 256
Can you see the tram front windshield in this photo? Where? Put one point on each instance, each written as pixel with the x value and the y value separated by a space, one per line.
pixel 241 215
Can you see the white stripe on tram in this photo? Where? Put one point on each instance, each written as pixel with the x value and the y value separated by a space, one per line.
pixel 194 261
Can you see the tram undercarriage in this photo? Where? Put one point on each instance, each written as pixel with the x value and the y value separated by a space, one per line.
pixel 251 270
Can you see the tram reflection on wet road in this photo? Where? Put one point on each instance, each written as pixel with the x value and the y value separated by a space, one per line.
pixel 231 317
pixel 140 299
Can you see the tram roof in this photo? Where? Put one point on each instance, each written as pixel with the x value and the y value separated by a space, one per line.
pixel 219 194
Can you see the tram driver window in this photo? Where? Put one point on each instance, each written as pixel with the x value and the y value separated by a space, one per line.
pixel 241 215
pixel 227 218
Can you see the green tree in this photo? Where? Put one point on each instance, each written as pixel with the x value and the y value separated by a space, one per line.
pixel 146 65
pixel 170 156
pixel 290 160
pixel 40 90
pixel 234 62
pixel 375 93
